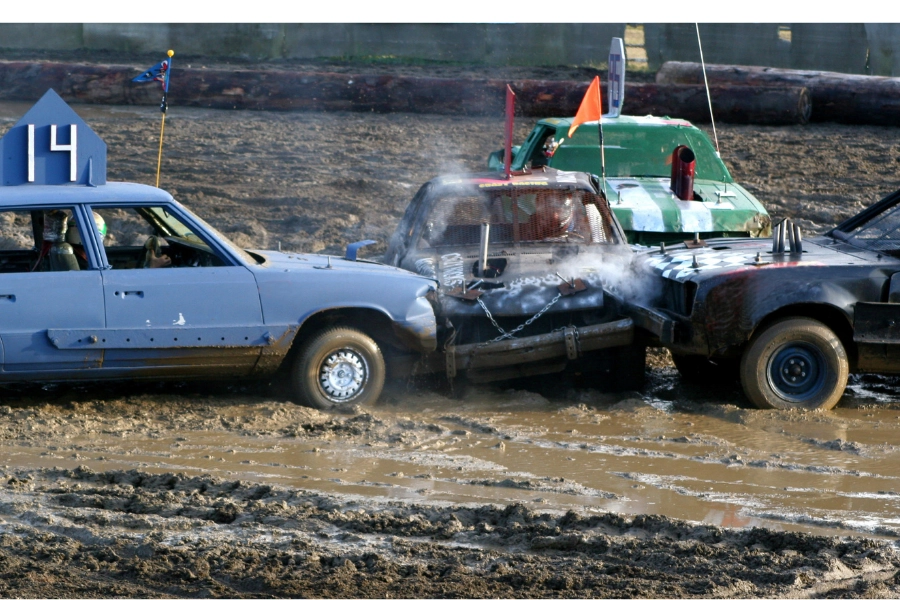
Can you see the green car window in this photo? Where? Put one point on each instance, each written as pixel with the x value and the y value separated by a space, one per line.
pixel 637 151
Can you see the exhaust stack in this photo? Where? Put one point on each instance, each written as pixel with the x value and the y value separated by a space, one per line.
pixel 483 254
pixel 683 165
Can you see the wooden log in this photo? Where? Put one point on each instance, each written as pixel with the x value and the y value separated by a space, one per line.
pixel 731 104
pixel 291 90
pixel 837 97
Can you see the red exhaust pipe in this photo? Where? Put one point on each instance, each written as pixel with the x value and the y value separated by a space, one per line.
pixel 683 165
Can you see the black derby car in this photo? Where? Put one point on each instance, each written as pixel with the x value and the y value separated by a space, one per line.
pixel 792 317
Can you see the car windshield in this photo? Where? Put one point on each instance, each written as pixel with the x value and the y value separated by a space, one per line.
pixel 175 227
pixel 516 215
pixel 881 233
pixel 636 151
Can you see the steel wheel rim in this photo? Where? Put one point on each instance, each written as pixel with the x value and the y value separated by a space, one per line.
pixel 343 375
pixel 796 371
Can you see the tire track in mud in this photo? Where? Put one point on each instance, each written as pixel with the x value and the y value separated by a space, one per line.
pixel 132 533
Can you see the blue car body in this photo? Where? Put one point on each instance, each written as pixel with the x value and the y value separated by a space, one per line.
pixel 215 311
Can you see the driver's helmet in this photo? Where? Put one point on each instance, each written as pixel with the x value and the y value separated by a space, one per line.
pixel 73 237
pixel 557 213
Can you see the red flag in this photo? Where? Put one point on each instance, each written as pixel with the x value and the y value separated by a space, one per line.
pixel 590 109
pixel 507 153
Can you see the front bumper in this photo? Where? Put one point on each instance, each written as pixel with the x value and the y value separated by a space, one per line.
pixel 498 360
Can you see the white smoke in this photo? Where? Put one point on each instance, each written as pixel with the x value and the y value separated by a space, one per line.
pixel 620 273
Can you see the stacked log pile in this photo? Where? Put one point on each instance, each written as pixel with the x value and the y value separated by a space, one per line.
pixel 835 97
pixel 754 95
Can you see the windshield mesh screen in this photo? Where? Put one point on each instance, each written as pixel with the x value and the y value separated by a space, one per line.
pixel 882 233
pixel 520 216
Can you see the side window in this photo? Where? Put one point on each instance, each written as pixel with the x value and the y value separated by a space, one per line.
pixel 39 241
pixel 150 237
pixel 543 149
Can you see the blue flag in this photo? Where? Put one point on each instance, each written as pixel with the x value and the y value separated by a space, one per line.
pixel 158 72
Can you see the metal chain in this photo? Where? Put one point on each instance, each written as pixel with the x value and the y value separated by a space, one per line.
pixel 509 334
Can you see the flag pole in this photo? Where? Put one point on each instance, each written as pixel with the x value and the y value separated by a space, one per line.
pixel 159 158
pixel 162 107
pixel 507 148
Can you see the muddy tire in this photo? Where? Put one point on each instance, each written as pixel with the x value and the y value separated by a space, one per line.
pixel 699 369
pixel 338 368
pixel 795 363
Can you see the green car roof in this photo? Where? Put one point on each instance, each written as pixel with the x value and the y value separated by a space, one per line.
pixel 633 147
pixel 637 156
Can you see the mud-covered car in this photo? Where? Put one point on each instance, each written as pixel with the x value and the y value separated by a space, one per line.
pixel 119 281
pixel 790 316
pixel 526 267
pixel 640 179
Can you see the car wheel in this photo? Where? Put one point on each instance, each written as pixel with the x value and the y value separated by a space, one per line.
pixel 338 368
pixel 699 369
pixel 795 363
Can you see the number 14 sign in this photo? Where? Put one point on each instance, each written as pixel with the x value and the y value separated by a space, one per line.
pixel 52 145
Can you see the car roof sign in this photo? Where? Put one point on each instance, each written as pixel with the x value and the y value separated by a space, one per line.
pixel 52 145
pixel 616 89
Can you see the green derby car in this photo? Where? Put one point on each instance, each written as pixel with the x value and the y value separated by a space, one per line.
pixel 638 156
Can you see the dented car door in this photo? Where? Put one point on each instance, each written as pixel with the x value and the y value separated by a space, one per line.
pixel 175 300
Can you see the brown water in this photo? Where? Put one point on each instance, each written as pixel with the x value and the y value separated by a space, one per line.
pixel 699 455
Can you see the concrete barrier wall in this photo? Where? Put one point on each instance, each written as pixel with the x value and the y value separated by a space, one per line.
pixel 843 47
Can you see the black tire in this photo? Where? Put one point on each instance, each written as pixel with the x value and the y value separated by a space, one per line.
pixel 699 369
pixel 795 363
pixel 338 368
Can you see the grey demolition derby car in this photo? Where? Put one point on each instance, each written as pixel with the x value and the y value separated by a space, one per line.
pixel 791 317
pixel 119 281
pixel 528 269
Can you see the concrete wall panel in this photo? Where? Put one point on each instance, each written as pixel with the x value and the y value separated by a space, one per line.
pixel 723 43
pixel 45 36
pixel 884 48
pixel 840 47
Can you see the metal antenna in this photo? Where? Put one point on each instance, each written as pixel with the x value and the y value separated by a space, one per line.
pixel 706 83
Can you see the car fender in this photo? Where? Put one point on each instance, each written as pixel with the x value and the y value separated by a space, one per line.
pixel 297 295
pixel 731 311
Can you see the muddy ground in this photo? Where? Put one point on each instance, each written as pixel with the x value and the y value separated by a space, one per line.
pixel 231 490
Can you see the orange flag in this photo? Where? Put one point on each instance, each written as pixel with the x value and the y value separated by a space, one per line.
pixel 590 106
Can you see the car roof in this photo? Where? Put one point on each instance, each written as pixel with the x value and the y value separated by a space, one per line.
pixel 546 178
pixel 118 193
pixel 623 121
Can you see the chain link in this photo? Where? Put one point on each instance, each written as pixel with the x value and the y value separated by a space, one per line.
pixel 508 334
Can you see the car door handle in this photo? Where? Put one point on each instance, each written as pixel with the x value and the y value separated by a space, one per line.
pixel 130 293
pixel 10 297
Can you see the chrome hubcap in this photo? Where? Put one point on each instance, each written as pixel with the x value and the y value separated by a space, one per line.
pixel 343 375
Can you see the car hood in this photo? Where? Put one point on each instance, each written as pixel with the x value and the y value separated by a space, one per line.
pixel 730 255
pixel 288 261
pixel 648 204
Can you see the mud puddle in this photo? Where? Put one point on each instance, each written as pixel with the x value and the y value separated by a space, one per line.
pixel 667 451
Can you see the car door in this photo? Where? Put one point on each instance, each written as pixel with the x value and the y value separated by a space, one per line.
pixel 197 312
pixel 41 300
pixel 876 331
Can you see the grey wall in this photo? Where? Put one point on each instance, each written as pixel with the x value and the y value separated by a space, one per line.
pixel 844 47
